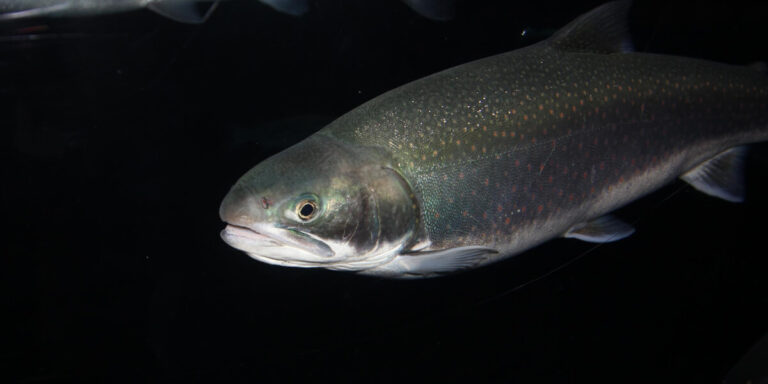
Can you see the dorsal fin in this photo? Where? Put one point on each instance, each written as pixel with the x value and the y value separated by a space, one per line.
pixel 601 30
pixel 760 66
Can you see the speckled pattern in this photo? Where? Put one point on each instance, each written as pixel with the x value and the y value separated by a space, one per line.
pixel 533 139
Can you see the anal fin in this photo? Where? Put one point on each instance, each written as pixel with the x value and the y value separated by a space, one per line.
pixel 444 260
pixel 721 176
pixel 603 229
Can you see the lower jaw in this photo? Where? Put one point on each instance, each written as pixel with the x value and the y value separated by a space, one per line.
pixel 287 263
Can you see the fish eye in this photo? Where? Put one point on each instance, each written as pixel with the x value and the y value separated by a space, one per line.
pixel 306 209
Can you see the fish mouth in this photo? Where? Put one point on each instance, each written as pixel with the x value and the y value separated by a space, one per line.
pixel 236 231
pixel 283 246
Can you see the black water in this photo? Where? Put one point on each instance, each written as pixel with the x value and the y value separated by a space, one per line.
pixel 121 134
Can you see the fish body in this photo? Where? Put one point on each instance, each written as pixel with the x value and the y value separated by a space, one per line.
pixel 185 11
pixel 488 159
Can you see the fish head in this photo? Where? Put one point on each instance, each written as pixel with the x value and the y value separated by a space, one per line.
pixel 321 203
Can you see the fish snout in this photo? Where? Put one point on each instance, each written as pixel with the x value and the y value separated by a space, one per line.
pixel 240 207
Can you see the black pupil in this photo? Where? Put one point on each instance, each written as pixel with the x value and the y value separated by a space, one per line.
pixel 307 210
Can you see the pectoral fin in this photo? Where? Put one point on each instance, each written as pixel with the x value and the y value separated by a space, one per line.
pixel 603 229
pixel 444 260
pixel 722 176
pixel 182 11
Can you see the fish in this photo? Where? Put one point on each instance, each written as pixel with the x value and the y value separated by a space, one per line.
pixel 184 11
pixel 485 160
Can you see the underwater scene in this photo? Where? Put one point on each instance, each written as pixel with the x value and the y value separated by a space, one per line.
pixel 587 208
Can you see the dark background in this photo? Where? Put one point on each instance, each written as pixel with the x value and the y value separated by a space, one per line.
pixel 122 133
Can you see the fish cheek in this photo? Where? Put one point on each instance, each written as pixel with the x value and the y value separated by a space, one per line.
pixel 368 210
pixel 348 219
pixel 373 211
